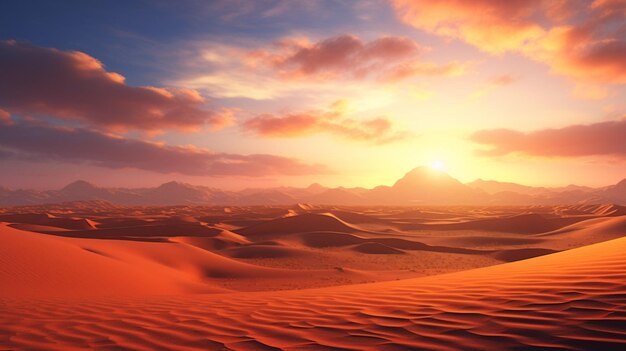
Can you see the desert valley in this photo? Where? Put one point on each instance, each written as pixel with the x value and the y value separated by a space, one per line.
pixel 94 274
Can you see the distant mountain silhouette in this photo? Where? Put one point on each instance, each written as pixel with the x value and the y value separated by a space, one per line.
pixel 177 193
pixel 494 187
pixel 617 192
pixel 81 190
pixel 315 188
pixel 267 197
pixel 336 196
pixel 420 186
pixel 424 185
pixel 79 187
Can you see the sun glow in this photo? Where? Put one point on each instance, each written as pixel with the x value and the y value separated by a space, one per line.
pixel 438 165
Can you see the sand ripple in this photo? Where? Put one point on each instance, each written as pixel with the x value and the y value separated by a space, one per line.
pixel 573 300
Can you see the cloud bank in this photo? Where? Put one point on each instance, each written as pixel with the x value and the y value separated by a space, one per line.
pixel 389 58
pixel 579 39
pixel 334 121
pixel 72 85
pixel 605 138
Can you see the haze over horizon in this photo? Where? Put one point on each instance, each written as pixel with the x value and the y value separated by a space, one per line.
pixel 263 94
pixel 421 186
pixel 428 168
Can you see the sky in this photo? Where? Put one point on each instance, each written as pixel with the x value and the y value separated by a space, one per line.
pixel 263 93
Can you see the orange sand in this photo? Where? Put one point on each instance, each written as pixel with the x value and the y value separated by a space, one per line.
pixel 65 288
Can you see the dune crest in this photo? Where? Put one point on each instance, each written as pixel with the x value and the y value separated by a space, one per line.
pixel 313 277
pixel 568 300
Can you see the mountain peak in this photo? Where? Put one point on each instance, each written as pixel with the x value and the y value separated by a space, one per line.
pixel 425 170
pixel 178 193
pixel 423 176
pixel 174 185
pixel 79 185
pixel 426 185
pixel 317 187
pixel 175 189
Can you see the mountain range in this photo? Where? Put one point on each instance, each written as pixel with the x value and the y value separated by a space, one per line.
pixel 420 186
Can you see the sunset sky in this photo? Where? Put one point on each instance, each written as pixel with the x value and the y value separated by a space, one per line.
pixel 237 94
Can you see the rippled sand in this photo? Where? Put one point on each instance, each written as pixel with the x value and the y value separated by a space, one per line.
pixel 63 292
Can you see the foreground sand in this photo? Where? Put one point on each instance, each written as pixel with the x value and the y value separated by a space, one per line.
pixel 71 292
pixel 570 300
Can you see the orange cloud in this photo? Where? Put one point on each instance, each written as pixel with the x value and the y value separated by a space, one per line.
pixel 580 40
pixel 347 56
pixel 75 86
pixel 408 70
pixel 378 130
pixel 223 118
pixel 493 83
pixel 5 117
pixel 23 140
pixel 494 26
pixel 605 138
pixel 502 80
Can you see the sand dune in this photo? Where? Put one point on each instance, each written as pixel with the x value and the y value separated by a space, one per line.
pixel 220 241
pixel 180 241
pixel 145 231
pixel 354 217
pixel 376 248
pixel 329 239
pixel 532 223
pixel 264 251
pixel 571 300
pixel 610 210
pixel 295 224
pixel 332 239
pixel 61 265
pixel 521 254
pixel 46 219
pixel 489 241
pixel 587 232
pixel 195 278
pixel 42 265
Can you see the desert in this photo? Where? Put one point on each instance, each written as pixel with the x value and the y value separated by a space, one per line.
pixel 104 276
pixel 304 175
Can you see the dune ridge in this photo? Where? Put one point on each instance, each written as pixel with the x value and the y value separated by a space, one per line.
pixel 313 278
pixel 571 300
pixel 299 223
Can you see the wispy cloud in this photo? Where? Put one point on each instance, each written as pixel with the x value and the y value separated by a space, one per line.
pixel 605 138
pixel 333 121
pixel 36 140
pixel 492 84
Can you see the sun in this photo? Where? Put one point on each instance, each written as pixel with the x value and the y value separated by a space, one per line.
pixel 438 165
